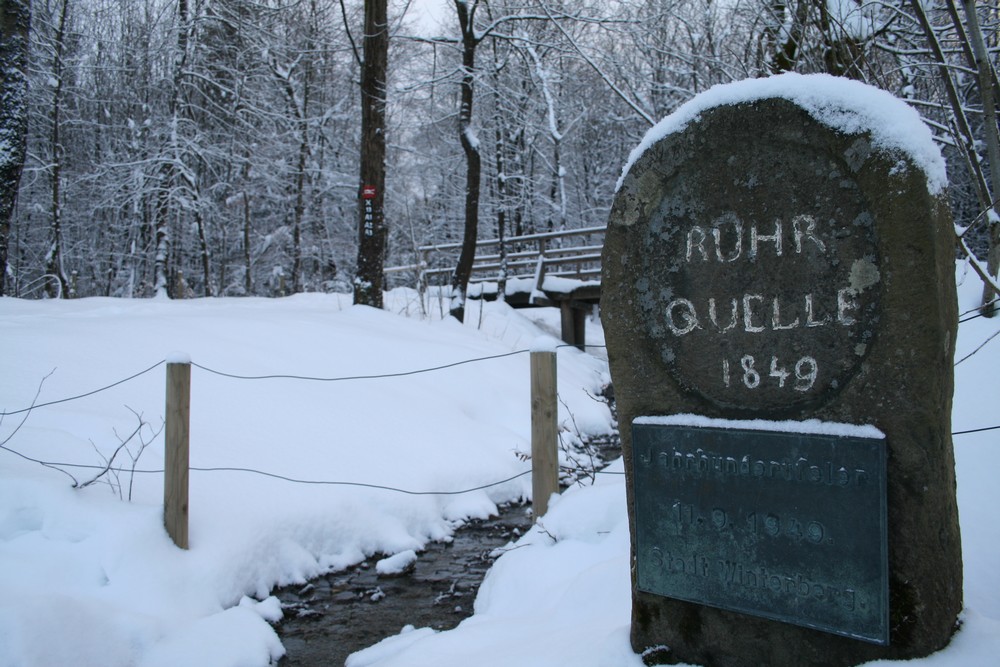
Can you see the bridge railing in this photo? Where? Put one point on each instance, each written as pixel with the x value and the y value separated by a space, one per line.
pixel 572 253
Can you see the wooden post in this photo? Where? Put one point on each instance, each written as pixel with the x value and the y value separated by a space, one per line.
pixel 567 322
pixel 544 431
pixel 580 327
pixel 175 483
pixel 573 323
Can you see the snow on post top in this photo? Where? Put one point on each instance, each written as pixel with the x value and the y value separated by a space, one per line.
pixel 840 104
pixel 545 344
pixel 177 357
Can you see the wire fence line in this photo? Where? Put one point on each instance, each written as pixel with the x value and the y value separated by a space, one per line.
pixel 68 399
pixel 347 378
pixel 315 482
pixel 61 465
pixel 977 312
pixel 57 464
pixel 356 377
pixel 308 378
pixel 237 376
pixel 378 376
pixel 976 430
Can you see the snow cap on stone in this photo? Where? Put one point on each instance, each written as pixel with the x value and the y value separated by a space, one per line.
pixel 841 104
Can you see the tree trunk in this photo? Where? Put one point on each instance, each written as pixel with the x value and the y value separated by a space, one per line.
pixel 368 277
pixel 781 41
pixel 986 91
pixel 161 231
pixel 503 197
pixel 206 254
pixel 557 189
pixel 15 20
pixel 300 184
pixel 247 263
pixel 470 146
pixel 167 172
pixel 54 263
pixel 502 203
pixel 843 54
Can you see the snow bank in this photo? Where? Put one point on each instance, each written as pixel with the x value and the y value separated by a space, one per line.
pixel 87 578
pixel 841 104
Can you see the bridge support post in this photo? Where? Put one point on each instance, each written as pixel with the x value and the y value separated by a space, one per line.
pixel 574 323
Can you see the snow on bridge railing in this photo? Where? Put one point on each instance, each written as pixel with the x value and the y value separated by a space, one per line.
pixel 547 252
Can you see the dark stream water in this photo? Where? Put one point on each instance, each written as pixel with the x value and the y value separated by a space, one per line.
pixel 336 615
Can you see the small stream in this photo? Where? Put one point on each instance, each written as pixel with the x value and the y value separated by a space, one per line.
pixel 338 614
pixel 333 616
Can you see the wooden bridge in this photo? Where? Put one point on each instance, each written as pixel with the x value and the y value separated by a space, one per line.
pixel 561 269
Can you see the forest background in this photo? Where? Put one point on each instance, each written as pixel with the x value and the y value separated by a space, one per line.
pixel 211 147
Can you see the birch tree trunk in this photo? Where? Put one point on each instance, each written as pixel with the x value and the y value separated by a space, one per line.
pixel 54 259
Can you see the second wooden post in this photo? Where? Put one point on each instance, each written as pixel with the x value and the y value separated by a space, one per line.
pixel 177 456
pixel 544 430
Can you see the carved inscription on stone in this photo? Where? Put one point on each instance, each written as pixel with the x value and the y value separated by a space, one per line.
pixel 761 303
pixel 789 526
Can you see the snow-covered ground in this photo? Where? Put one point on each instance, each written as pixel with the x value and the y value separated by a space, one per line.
pixel 87 578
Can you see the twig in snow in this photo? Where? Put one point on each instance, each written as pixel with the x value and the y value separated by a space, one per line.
pixel 109 470
pixel 27 413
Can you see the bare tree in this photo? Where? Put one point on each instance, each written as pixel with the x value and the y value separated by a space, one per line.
pixel 470 146
pixel 470 39
pixel 957 48
pixel 987 92
pixel 15 21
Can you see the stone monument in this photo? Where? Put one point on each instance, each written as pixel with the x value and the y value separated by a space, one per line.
pixel 780 314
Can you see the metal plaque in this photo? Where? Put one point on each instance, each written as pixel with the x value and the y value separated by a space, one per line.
pixel 787 526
